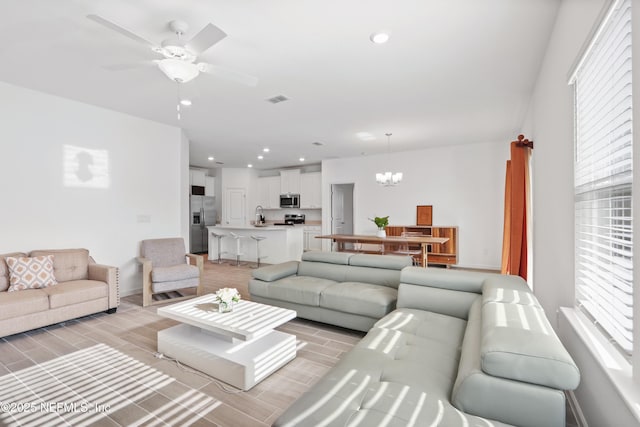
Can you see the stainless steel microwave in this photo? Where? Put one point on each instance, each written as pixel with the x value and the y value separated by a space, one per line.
pixel 289 200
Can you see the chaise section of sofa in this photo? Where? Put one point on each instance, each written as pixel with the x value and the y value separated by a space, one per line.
pixel 343 289
pixel 83 288
pixel 461 349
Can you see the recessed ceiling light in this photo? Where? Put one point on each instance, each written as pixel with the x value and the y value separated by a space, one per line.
pixel 260 157
pixel 210 158
pixel 365 136
pixel 301 159
pixel 249 165
pixel 266 150
pixel 185 102
pixel 379 37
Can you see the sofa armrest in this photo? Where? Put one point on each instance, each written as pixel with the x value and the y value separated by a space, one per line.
pixel 198 261
pixel 275 272
pixel 109 275
pixel 146 280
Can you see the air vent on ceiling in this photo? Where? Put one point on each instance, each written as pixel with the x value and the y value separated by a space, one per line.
pixel 219 163
pixel 276 99
pixel 316 143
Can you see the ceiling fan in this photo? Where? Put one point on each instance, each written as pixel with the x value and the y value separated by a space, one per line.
pixel 179 62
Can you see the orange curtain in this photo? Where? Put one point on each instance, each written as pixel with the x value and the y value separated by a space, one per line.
pixel 516 200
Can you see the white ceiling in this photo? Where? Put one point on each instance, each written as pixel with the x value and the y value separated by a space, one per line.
pixel 453 72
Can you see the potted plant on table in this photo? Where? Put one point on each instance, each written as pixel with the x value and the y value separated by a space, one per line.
pixel 381 223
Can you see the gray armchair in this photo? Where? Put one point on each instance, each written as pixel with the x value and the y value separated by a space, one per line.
pixel 167 270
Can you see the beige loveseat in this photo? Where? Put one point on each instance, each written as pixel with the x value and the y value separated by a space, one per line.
pixel 83 288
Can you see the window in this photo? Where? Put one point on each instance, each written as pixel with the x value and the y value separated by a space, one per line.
pixel 603 178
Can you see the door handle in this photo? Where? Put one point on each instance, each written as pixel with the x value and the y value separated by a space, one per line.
pixel 203 222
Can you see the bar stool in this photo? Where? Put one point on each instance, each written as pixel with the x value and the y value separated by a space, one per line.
pixel 258 239
pixel 238 253
pixel 219 236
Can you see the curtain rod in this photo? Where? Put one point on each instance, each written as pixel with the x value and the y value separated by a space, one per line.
pixel 522 142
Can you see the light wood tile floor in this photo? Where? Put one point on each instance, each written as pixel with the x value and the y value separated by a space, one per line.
pixel 132 331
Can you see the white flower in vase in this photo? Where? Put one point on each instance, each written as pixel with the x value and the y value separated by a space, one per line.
pixel 225 298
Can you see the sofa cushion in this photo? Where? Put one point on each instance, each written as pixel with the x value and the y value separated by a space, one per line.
pixel 519 343
pixel 175 273
pixel 164 252
pixel 274 272
pixel 390 262
pixel 4 270
pixel 375 276
pixel 359 298
pixel 457 280
pixel 158 287
pixel 327 257
pixel 68 264
pixel 16 304
pixel 446 330
pixel 76 292
pixel 295 289
pixel 324 270
pixel 392 377
pixel 511 296
pixel 514 402
pixel 30 272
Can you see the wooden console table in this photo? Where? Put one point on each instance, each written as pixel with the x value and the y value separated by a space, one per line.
pixel 384 242
pixel 444 254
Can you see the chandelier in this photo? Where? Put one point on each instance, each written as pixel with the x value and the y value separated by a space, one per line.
pixel 389 179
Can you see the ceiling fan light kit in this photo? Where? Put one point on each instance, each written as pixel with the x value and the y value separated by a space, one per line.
pixel 178 70
pixel 179 62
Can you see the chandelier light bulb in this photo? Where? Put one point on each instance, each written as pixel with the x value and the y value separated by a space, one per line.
pixel 389 179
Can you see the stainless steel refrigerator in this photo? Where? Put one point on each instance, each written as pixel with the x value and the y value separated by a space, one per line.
pixel 203 214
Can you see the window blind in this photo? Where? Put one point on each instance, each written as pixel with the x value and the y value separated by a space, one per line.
pixel 603 178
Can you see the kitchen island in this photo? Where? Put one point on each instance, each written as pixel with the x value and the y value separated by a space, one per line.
pixel 281 243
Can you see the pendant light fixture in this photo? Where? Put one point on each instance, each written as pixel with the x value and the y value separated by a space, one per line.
pixel 389 179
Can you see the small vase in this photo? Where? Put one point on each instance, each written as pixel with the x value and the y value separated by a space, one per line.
pixel 225 307
pixel 381 232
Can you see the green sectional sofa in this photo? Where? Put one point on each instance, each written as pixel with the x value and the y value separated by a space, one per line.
pixel 339 288
pixel 460 349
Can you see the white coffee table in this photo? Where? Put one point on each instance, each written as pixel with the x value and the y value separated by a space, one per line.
pixel 240 348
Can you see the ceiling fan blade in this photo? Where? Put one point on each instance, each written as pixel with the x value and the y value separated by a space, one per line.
pixel 129 66
pixel 228 74
pixel 115 27
pixel 206 38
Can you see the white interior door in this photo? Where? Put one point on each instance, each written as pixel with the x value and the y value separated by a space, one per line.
pixel 342 209
pixel 235 206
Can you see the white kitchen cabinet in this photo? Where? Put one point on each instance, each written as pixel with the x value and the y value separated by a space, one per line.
pixel 269 192
pixel 290 181
pixel 310 190
pixel 197 177
pixel 210 186
pixel 310 241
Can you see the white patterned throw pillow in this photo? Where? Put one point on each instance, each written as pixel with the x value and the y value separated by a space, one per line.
pixel 30 273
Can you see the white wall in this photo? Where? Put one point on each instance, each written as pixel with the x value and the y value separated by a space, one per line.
pixel 143 199
pixel 464 183
pixel 550 124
